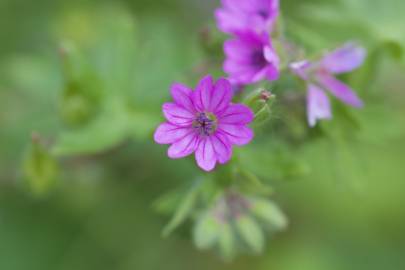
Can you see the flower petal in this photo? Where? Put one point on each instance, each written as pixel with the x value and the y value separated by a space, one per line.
pixel 301 68
pixel 236 134
pixel 168 133
pixel 221 96
pixel 344 59
pixel 236 114
pixel 339 89
pixel 205 154
pixel 318 105
pixel 184 146
pixel 182 96
pixel 203 92
pixel 222 147
pixel 177 115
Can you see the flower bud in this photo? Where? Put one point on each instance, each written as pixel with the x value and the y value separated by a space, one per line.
pixel 260 101
pixel 39 167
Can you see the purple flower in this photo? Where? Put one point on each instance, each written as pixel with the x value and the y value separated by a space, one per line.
pixel 250 58
pixel 204 121
pixel 240 15
pixel 320 76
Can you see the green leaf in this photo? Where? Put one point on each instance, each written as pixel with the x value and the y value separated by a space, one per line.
pixel 206 231
pixel 249 182
pixel 167 203
pixel 251 233
pixel 184 209
pixel 269 213
pixel 226 242
pixel 109 129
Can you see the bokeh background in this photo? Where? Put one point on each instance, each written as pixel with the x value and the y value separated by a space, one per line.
pixel 343 192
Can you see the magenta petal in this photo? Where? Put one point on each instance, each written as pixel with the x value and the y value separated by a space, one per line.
pixel 236 114
pixel 221 96
pixel 205 154
pixel 177 115
pixel 227 21
pixel 241 15
pixel 339 90
pixel 168 133
pixel 202 94
pixel 182 96
pixel 344 59
pixel 222 147
pixel 301 68
pixel 318 105
pixel 184 146
pixel 236 134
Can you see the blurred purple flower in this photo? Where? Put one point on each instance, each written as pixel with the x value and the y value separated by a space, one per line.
pixel 240 15
pixel 250 58
pixel 204 121
pixel 320 76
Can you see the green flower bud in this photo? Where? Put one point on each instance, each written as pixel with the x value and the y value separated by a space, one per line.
pixel 39 167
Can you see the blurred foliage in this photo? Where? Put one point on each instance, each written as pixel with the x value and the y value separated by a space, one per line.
pixel 90 77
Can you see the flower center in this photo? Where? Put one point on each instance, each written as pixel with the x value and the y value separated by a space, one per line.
pixel 257 59
pixel 263 13
pixel 205 123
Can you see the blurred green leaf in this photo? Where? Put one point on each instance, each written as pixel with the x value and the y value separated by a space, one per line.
pixel 206 231
pixel 109 129
pixel 269 213
pixel 184 209
pixel 227 242
pixel 251 233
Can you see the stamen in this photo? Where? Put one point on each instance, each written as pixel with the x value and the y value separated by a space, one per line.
pixel 205 124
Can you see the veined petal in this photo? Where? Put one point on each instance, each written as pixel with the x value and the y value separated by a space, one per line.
pixel 318 105
pixel 205 154
pixel 339 89
pixel 236 134
pixel 184 146
pixel 168 133
pixel 222 147
pixel 177 115
pixel 203 92
pixel 236 114
pixel 221 96
pixel 182 96
pixel 344 59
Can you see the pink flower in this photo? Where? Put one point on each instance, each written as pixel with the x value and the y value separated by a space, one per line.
pixel 204 121
pixel 240 15
pixel 250 58
pixel 320 77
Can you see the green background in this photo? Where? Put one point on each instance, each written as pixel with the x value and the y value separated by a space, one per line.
pixel 343 191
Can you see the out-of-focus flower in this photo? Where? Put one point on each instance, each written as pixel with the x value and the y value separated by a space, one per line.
pixel 250 58
pixel 240 15
pixel 204 121
pixel 320 76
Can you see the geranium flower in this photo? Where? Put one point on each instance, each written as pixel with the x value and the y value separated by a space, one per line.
pixel 250 58
pixel 240 15
pixel 204 122
pixel 320 77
